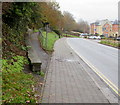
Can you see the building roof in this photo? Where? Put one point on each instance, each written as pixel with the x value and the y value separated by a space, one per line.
pixel 116 22
pixel 102 22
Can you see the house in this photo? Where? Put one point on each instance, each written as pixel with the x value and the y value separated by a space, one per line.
pixel 96 27
pixel 92 28
pixel 104 27
pixel 115 26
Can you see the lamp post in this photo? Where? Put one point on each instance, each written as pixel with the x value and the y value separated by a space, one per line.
pixel 46 40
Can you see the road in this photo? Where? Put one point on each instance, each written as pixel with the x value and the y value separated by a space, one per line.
pixel 102 59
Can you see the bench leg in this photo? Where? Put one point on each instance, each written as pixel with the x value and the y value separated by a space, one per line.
pixel 36 67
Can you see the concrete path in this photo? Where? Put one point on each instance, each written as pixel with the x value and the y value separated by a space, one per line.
pixel 37 51
pixel 67 81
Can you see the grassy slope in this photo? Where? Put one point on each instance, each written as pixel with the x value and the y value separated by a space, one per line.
pixel 16 86
pixel 52 37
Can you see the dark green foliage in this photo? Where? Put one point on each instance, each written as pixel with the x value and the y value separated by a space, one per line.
pixel 17 17
pixel 20 14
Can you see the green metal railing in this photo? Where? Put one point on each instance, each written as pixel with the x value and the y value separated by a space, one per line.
pixel 42 39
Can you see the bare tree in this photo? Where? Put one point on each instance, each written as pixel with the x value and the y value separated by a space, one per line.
pixel 83 26
pixel 69 22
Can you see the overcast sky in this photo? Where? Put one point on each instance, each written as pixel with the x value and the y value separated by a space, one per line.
pixel 91 10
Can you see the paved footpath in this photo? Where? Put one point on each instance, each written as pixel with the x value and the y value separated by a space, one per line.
pixel 67 81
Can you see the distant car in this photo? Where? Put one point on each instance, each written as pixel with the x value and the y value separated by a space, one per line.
pixel 94 37
pixel 98 37
pixel 91 37
pixel 110 37
pixel 102 36
pixel 118 38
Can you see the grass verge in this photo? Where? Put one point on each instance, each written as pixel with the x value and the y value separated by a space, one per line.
pixel 111 43
pixel 16 85
pixel 51 38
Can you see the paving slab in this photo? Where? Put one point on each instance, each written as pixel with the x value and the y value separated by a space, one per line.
pixel 67 81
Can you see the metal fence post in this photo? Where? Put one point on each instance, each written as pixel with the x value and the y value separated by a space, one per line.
pixel 46 35
pixel 46 25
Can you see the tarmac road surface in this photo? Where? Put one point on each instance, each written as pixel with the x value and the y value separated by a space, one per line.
pixel 101 58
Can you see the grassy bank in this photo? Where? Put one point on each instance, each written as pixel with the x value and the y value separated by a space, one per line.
pixel 51 38
pixel 16 85
pixel 111 43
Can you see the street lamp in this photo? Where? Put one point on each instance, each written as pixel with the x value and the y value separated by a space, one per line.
pixel 46 26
